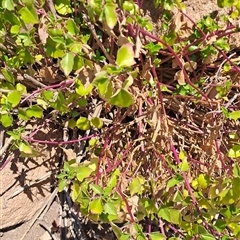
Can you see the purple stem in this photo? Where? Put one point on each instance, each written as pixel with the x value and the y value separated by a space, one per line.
pixel 161 227
pixel 6 162
pixel 127 205
pixel 62 84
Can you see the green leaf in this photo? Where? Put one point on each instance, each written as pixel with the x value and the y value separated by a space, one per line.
pixel 110 208
pixel 117 231
pixel 128 6
pixel 170 215
pixel 157 236
pixel 42 103
pixel 204 234
pixel 226 3
pixel 8 4
pixel 220 3
pixel 220 225
pixel 25 147
pixel 11 17
pixel 170 37
pixel 83 172
pixel 81 90
pixel 136 185
pixel 110 14
pixel 207 237
pixel 71 123
pixel 66 167
pixel 78 61
pixel 97 189
pixel 235 115
pixel 140 234
pixel 125 236
pixel 236 188
pixel 227 67
pixel 174 181
pixel 93 141
pixel 111 183
pixel 22 114
pixel 72 27
pixel 153 48
pixel 34 111
pixel 6 120
pixel 14 98
pixel 63 7
pixel 75 190
pixel 83 123
pixel 8 76
pixel 95 207
pixel 122 98
pixel 104 85
pixel 62 184
pixel 202 181
pixel 236 170
pixel 29 15
pixel 128 82
pixel 67 63
pixel 184 164
pixel 234 152
pixel 125 56
pixel 48 95
pixel 21 88
pixel 15 29
pixel 222 44
pixel 16 135
pixel 97 122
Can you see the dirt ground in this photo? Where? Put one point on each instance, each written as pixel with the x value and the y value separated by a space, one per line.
pixel 26 187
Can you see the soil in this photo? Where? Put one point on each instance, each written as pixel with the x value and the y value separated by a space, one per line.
pixel 18 211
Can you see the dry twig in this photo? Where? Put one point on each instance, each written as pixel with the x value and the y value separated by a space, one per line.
pixel 49 201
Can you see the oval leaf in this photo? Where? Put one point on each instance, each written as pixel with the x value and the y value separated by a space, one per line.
pixel 110 14
pixel 29 15
pixel 97 122
pixel 6 120
pixel 83 172
pixel 25 147
pixel 83 123
pixel 110 208
pixel 235 115
pixel 125 56
pixel 14 98
pixel 81 89
pixel 96 207
pixel 157 236
pixel 72 27
pixel 67 63
pixel 8 4
pixel 34 111
pixel 122 98
pixel 8 76
pixel 170 215
pixel 136 185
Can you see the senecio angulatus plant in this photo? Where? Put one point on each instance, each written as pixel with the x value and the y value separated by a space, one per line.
pixel 160 157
